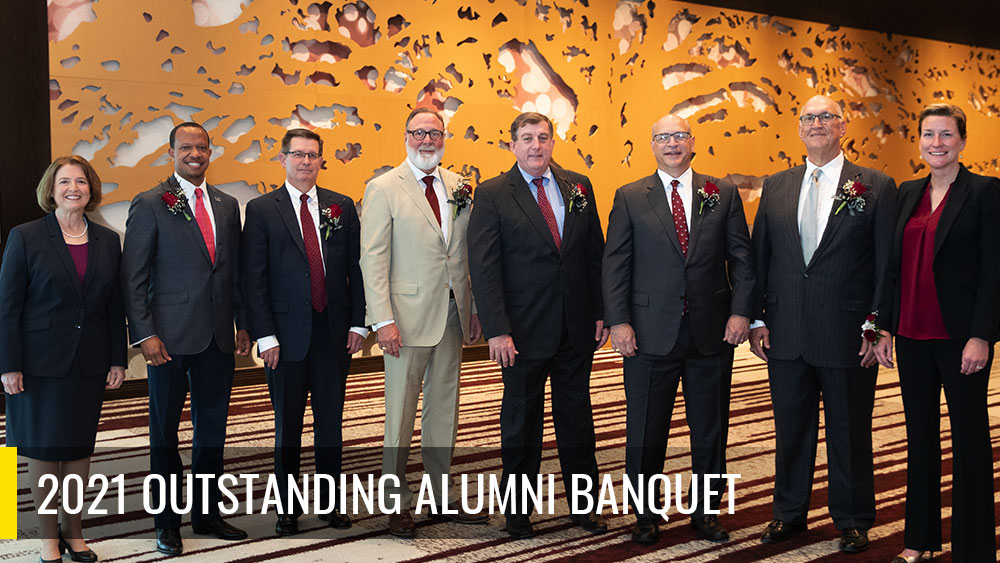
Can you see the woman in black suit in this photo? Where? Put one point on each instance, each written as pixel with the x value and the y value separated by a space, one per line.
pixel 62 339
pixel 945 315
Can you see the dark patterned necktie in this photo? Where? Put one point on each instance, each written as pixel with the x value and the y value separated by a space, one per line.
pixel 550 217
pixel 680 223
pixel 317 279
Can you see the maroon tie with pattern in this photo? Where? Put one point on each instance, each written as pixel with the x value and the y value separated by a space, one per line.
pixel 550 217
pixel 680 223
pixel 317 279
pixel 432 197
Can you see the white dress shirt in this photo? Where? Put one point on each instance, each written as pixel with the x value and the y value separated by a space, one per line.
pixel 684 189
pixel 267 342
pixel 188 189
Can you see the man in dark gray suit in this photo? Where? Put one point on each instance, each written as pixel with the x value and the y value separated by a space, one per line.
pixel 821 256
pixel 180 279
pixel 535 246
pixel 677 301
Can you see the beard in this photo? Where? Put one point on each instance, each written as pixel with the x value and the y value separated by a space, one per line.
pixel 422 160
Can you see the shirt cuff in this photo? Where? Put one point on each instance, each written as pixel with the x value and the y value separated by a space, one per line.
pixel 360 330
pixel 381 324
pixel 757 324
pixel 265 343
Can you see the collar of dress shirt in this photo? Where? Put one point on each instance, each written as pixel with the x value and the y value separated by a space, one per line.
pixel 686 179
pixel 419 174
pixel 296 195
pixel 188 188
pixel 831 170
pixel 528 177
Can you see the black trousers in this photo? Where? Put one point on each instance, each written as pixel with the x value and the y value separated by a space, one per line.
pixel 522 414
pixel 321 378
pixel 650 389
pixel 848 400
pixel 924 367
pixel 209 374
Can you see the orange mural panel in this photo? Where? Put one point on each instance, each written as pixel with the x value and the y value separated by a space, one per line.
pixel 124 73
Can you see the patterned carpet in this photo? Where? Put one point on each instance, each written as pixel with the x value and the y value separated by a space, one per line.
pixel 123 443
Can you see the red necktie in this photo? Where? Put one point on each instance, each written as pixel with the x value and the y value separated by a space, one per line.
pixel 317 279
pixel 550 218
pixel 204 223
pixel 432 197
pixel 680 223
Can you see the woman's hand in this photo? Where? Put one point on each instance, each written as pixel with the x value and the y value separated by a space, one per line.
pixel 974 356
pixel 13 382
pixel 115 377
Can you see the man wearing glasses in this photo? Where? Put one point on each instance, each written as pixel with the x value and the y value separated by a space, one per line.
pixel 821 242
pixel 303 289
pixel 535 259
pixel 678 286
pixel 415 262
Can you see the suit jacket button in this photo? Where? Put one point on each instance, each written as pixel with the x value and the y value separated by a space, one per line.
pixel 805 275
pixel 77 326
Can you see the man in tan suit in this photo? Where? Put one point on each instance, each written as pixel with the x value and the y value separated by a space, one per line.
pixel 415 267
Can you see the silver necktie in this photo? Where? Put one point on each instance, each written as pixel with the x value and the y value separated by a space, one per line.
pixel 809 228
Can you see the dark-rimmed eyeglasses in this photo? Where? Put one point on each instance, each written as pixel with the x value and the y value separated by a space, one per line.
pixel 300 155
pixel 434 134
pixel 824 118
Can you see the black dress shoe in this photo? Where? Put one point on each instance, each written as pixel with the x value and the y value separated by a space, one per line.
pixel 645 531
pixel 779 531
pixel 168 541
pixel 853 540
pixel 519 527
pixel 710 529
pixel 220 529
pixel 87 556
pixel 593 522
pixel 287 525
pixel 336 520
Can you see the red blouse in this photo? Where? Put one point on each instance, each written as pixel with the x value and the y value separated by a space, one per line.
pixel 919 311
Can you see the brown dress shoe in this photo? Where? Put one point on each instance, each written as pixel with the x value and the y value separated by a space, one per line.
pixel 401 525
pixel 593 522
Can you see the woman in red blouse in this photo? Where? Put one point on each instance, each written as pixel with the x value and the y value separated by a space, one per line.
pixel 944 311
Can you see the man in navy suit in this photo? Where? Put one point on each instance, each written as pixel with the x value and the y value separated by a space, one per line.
pixel 535 245
pixel 305 299
pixel 180 279
pixel 821 264
pixel 677 301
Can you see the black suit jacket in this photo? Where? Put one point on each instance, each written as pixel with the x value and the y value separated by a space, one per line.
pixel 814 311
pixel 646 276
pixel 966 255
pixel 522 285
pixel 276 272
pixel 172 289
pixel 46 318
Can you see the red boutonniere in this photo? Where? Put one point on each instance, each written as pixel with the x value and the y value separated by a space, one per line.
pixel 851 194
pixel 578 198
pixel 709 196
pixel 461 197
pixel 869 328
pixel 176 202
pixel 329 219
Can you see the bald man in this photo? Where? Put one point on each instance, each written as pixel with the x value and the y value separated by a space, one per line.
pixel 821 267
pixel 678 284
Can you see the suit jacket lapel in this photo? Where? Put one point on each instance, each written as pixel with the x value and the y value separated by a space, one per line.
pixel 93 259
pixel 221 223
pixel 414 189
pixel 835 220
pixel 55 235
pixel 569 217
pixel 697 211
pixel 791 209
pixel 957 195
pixel 286 211
pixel 657 197
pixel 325 200
pixel 522 196
pixel 907 206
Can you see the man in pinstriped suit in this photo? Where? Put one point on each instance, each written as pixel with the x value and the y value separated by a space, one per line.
pixel 820 267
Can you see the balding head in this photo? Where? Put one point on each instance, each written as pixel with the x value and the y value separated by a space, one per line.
pixel 822 140
pixel 673 155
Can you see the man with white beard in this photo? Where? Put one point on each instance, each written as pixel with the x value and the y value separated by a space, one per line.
pixel 414 262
